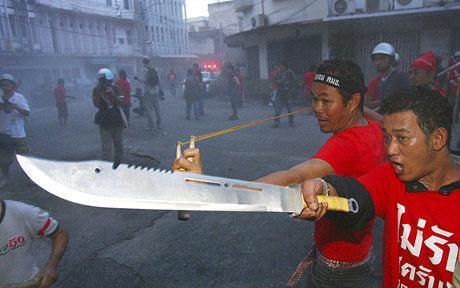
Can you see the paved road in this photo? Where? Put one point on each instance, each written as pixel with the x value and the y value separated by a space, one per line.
pixel 133 248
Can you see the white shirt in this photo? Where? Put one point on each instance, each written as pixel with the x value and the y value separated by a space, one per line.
pixel 12 123
pixel 20 225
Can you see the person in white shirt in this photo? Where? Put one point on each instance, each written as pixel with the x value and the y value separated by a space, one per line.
pixel 20 225
pixel 13 109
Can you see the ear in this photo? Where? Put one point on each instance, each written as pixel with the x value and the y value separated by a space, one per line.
pixel 439 138
pixel 354 102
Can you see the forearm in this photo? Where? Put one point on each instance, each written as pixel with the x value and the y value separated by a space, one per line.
pixel 312 168
pixel 282 178
pixel 349 187
pixel 60 241
pixel 22 111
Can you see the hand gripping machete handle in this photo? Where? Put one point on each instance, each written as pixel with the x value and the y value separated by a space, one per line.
pixel 334 203
pixel 339 204
pixel 182 214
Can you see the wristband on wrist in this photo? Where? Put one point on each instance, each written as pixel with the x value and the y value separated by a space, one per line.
pixel 326 190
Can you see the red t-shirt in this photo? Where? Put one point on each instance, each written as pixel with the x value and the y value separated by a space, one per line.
pixel 421 232
pixel 352 152
pixel 373 88
pixel 308 80
pixel 125 89
pixel 59 94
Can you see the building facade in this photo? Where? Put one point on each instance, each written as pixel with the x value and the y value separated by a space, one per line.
pixel 207 34
pixel 165 31
pixel 43 40
pixel 307 32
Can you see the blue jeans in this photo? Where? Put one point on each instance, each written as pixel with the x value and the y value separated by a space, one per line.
pixel 200 104
pixel 188 109
pixel 323 276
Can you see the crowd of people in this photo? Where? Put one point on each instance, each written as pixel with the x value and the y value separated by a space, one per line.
pixel 389 151
pixel 398 168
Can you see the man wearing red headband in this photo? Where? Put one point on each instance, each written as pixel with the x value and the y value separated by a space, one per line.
pixel 423 72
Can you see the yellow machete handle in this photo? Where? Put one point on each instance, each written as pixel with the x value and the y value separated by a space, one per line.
pixel 339 204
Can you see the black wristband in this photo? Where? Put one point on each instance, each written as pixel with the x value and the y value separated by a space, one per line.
pixel 349 187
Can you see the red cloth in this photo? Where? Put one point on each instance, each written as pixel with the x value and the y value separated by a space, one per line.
pixel 352 152
pixel 125 89
pixel 59 94
pixel 271 77
pixel 453 76
pixel 308 80
pixel 373 87
pixel 425 62
pixel 422 245
pixel 439 90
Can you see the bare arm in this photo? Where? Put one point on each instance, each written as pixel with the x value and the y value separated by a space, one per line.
pixel 312 168
pixel 20 110
pixel 48 275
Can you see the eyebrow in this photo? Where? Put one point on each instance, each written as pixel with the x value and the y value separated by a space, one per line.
pixel 319 95
pixel 396 130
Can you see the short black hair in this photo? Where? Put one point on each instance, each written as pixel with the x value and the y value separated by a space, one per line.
pixel 122 74
pixel 349 73
pixel 432 110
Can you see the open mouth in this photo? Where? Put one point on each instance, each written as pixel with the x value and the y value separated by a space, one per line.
pixel 399 168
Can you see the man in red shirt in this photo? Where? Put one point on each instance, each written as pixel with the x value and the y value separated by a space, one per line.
pixel 373 95
pixel 308 78
pixel 423 72
pixel 355 147
pixel 125 87
pixel 60 96
pixel 417 193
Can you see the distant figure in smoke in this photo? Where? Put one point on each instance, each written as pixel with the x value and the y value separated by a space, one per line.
pixel 172 79
pixel 191 92
pixel 60 96
pixel 151 83
pixel 241 95
pixel 13 110
pixel 233 90
pixel 200 101
pixel 110 117
pixel 125 87
pixel 308 83
pixel 285 82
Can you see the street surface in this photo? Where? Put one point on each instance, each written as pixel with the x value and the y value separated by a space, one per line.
pixel 136 248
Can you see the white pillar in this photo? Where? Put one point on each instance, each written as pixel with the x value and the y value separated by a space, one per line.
pixel 263 59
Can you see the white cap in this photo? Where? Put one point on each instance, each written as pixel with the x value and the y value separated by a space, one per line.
pixel 7 77
pixel 384 48
pixel 457 53
pixel 106 73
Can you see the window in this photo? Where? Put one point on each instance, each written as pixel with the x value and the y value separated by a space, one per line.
pixel 113 36
pixel 12 20
pixel 129 37
pixel 121 41
pixel 108 2
pixel 126 4
pixel 22 26
pixel 2 29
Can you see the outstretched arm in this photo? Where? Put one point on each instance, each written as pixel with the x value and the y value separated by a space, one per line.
pixel 48 275
pixel 312 168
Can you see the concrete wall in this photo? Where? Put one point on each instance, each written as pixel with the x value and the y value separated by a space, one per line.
pixel 223 16
pixel 284 12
